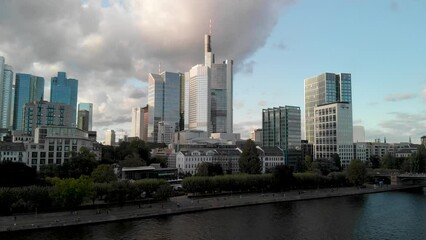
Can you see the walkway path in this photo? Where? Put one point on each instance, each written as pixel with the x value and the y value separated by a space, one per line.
pixel 176 205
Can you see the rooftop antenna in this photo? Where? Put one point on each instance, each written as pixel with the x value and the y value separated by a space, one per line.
pixel 210 27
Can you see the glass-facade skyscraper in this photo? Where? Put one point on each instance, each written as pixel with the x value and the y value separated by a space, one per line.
pixel 64 90
pixel 164 97
pixel 322 89
pixel 208 94
pixel 6 82
pixel 89 108
pixel 282 128
pixel 28 88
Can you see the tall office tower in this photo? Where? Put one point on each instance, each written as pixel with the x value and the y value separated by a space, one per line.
pixel 166 132
pixel 28 88
pixel 163 101
pixel 43 113
pixel 182 102
pixel 333 131
pixel 87 107
pixel 6 82
pixel 137 122
pixel 83 120
pixel 322 89
pixel 110 137
pixel 359 134
pixel 282 128
pixel 64 90
pixel 208 94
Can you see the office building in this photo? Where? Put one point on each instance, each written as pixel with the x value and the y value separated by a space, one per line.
pixel 43 113
pixel 6 84
pixel 359 134
pixel 83 120
pixel 87 107
pixel 110 137
pixel 163 102
pixel 64 90
pixel 208 94
pixel 333 131
pixel 257 136
pixel 28 88
pixel 166 132
pixel 139 123
pixel 282 128
pixel 323 89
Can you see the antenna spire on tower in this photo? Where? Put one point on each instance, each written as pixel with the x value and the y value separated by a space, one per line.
pixel 159 68
pixel 210 27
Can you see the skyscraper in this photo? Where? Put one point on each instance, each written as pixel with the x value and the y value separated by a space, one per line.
pixel 64 90
pixel 322 89
pixel 87 107
pixel 282 128
pixel 138 123
pixel 83 120
pixel 28 88
pixel 208 94
pixel 6 82
pixel 163 101
pixel 110 137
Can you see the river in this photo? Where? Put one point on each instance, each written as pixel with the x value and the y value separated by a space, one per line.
pixel 389 215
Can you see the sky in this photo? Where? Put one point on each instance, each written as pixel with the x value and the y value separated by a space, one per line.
pixel 111 46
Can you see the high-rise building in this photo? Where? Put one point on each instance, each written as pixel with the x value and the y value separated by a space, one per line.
pixel 87 107
pixel 110 137
pixel 138 122
pixel 163 101
pixel 359 134
pixel 64 90
pixel 83 120
pixel 322 89
pixel 28 88
pixel 333 131
pixel 43 113
pixel 208 94
pixel 282 128
pixel 166 132
pixel 6 83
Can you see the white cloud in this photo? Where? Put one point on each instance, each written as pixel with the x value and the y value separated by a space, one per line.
pixel 103 47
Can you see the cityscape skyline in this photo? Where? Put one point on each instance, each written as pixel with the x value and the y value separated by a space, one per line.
pixel 389 84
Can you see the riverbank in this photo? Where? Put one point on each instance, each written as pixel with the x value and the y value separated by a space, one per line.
pixel 176 205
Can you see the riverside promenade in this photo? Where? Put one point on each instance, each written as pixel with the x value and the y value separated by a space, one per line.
pixel 176 205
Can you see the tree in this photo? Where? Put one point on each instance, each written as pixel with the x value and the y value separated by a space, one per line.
pixel 209 169
pixel 249 160
pixel 103 173
pixel 375 161
pixel 203 169
pixel 71 193
pixel 308 162
pixel 389 161
pixel 356 172
pixel 50 170
pixel 14 174
pixel 324 166
pixel 418 160
pixel 283 176
pixel 337 162
pixel 81 163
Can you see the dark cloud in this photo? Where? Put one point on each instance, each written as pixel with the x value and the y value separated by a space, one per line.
pixel 102 47
pixel 400 97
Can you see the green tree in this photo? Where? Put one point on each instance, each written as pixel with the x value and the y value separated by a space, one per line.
pixel 209 169
pixel 203 169
pixel 389 161
pixel 14 174
pixel 308 163
pixel 375 161
pixel 81 163
pixel 356 172
pixel 104 173
pixel 283 176
pixel 324 166
pixel 71 193
pixel 50 170
pixel 249 160
pixel 418 160
pixel 337 162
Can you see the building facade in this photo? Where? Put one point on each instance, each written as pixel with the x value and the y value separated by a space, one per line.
pixel 65 90
pixel 137 129
pixel 322 89
pixel 110 137
pixel 87 107
pixel 282 128
pixel 209 94
pixel 83 119
pixel 333 131
pixel 164 97
pixel 43 113
pixel 6 83
pixel 28 88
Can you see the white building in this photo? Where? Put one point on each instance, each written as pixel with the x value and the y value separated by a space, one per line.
pixel 166 132
pixel 333 131
pixel 6 85
pixel 359 134
pixel 270 157
pixel 53 145
pixel 110 137
pixel 14 152
pixel 137 122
